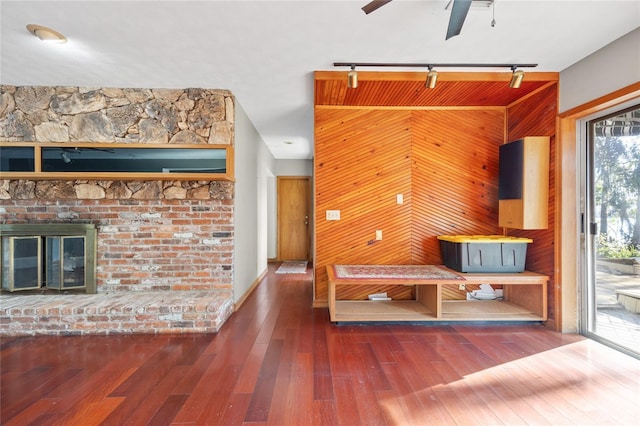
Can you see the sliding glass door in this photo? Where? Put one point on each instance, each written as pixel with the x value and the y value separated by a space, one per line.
pixel 611 230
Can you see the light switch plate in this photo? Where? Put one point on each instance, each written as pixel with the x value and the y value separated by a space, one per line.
pixel 332 214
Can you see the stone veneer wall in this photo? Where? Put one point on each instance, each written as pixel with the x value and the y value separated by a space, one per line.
pixel 152 235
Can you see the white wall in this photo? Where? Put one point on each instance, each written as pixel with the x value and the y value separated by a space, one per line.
pixel 254 165
pixel 294 167
pixel 613 67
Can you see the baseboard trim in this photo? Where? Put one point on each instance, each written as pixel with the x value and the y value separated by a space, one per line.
pixel 247 293
pixel 320 303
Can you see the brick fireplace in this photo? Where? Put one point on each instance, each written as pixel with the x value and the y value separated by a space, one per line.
pixel 164 260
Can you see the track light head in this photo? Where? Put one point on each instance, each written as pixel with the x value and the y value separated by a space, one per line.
pixel 65 157
pixel 432 78
pixel 352 78
pixel 516 78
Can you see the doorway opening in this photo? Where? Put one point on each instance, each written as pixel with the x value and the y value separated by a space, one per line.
pixel 611 230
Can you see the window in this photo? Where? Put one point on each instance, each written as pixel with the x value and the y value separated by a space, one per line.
pixel 17 159
pixel 116 161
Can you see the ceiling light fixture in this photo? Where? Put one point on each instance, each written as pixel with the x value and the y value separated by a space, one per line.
pixel 352 78
pixel 46 34
pixel 432 77
pixel 516 78
pixel 65 157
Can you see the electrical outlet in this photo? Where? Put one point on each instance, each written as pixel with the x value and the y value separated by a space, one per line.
pixel 462 286
pixel 378 234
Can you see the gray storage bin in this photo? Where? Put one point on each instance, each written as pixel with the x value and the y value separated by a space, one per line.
pixel 482 253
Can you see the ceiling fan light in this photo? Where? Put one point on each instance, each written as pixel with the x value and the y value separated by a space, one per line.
pixel 46 34
pixel 516 79
pixel 432 78
pixel 352 78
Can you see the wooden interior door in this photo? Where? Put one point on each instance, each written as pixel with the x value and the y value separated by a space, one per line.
pixel 294 195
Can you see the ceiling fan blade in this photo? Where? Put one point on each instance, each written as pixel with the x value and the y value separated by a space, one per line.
pixel 459 12
pixel 374 5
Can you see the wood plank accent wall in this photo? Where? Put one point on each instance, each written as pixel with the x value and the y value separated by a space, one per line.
pixel 536 116
pixel 363 159
pixel 443 160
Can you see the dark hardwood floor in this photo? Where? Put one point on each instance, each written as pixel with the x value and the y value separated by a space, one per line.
pixel 278 361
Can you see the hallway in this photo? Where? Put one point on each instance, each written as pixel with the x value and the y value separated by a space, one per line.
pixel 278 361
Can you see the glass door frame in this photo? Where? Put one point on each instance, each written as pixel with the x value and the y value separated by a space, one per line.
pixel 588 231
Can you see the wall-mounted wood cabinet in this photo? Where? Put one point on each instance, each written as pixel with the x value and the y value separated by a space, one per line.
pixel 524 183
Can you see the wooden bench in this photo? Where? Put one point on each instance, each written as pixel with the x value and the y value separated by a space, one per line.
pixel 524 295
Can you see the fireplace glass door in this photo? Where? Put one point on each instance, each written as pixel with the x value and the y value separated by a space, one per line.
pixel 65 262
pixel 48 256
pixel 21 260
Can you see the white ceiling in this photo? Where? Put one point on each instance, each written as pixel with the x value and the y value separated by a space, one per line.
pixel 265 51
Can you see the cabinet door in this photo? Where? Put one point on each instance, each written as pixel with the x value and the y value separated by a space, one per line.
pixel 524 184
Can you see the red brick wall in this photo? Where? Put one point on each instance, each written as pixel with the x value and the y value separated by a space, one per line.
pixel 147 245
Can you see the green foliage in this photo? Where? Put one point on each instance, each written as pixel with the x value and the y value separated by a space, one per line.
pixel 615 250
pixel 617 185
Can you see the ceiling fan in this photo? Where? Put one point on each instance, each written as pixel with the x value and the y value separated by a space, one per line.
pixel 459 10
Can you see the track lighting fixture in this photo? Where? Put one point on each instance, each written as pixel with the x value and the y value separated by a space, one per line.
pixel 516 77
pixel 352 78
pixel 65 157
pixel 432 77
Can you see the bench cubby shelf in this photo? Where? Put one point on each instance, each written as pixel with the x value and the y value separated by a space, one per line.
pixel 525 299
